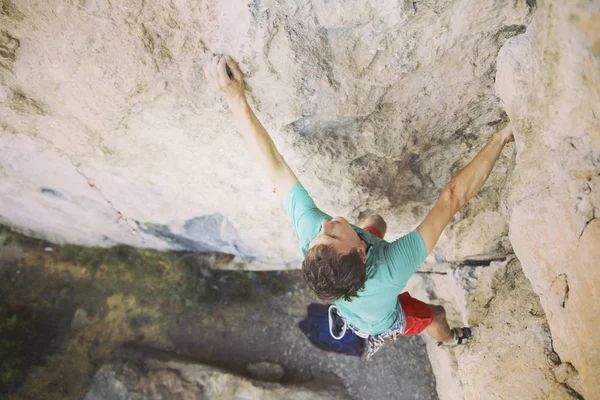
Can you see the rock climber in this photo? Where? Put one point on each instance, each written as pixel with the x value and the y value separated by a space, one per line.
pixel 353 266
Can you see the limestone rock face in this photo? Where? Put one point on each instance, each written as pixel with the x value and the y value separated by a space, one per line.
pixel 110 134
pixel 511 356
pixel 548 79
pixel 549 82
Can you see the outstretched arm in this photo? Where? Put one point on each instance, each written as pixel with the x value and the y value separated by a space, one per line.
pixel 462 187
pixel 226 77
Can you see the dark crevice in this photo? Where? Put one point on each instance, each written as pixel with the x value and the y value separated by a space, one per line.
pixel 487 304
pixel 431 273
pixel 509 31
pixel 564 302
pixel 587 223
pixel 572 392
pixel 483 262
pixel 24 104
pixel 52 192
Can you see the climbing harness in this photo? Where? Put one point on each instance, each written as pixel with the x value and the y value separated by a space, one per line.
pixel 338 324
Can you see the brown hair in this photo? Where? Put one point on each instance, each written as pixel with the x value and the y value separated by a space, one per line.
pixel 332 276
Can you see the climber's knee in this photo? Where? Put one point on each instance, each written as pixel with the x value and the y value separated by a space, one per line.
pixel 375 221
pixel 378 220
pixel 439 313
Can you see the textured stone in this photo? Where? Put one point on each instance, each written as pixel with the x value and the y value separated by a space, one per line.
pixel 483 237
pixel 10 253
pixel 511 356
pixel 120 140
pixel 135 375
pixel 109 134
pixel 266 371
pixel 549 82
pixel 80 319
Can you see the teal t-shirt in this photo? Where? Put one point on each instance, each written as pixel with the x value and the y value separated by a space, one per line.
pixel 389 265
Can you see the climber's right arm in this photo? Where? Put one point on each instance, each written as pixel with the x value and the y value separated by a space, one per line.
pixel 462 187
pixel 257 138
pixel 262 147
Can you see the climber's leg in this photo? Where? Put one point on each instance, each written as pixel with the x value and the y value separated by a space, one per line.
pixel 374 224
pixel 439 329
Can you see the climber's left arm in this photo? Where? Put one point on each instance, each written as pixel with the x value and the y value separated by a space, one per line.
pixel 462 187
pixel 261 146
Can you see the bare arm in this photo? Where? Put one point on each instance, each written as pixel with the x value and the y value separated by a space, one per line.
pixel 231 87
pixel 462 187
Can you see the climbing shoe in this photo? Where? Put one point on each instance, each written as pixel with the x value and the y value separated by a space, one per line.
pixel 459 339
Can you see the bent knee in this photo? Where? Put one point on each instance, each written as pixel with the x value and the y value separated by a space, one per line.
pixel 377 221
pixel 439 312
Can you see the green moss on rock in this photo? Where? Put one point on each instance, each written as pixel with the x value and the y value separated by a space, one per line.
pixel 11 350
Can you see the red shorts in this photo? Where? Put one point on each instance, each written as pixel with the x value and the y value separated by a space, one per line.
pixel 418 314
pixel 374 231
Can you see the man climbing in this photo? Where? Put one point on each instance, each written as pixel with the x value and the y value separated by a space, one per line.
pixel 353 266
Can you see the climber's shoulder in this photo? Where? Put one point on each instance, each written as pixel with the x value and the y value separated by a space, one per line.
pixel 284 181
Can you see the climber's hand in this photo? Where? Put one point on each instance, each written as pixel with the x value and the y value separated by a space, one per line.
pixel 225 77
pixel 506 134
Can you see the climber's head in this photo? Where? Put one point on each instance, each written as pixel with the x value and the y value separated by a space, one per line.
pixel 334 265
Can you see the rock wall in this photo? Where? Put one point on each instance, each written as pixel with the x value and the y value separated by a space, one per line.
pixel 512 356
pixel 136 375
pixel 110 134
pixel 536 317
pixel 549 83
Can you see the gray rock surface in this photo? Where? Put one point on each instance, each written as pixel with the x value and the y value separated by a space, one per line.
pixel 80 319
pixel 266 371
pixel 134 375
pixel 549 82
pixel 109 133
pixel 511 356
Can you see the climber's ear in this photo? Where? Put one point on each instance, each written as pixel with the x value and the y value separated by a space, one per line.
pixel 362 254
